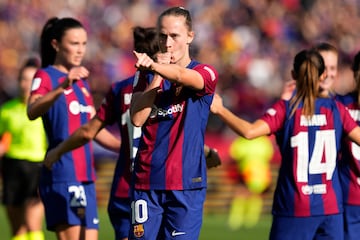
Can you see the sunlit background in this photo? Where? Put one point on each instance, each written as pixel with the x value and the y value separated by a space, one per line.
pixel 250 42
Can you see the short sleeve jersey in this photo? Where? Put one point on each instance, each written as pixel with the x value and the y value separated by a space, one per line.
pixel 28 137
pixel 349 165
pixel 70 111
pixel 115 109
pixel 308 182
pixel 171 149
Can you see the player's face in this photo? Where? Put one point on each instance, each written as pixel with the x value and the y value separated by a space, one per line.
pixel 25 81
pixel 331 65
pixel 176 38
pixel 72 48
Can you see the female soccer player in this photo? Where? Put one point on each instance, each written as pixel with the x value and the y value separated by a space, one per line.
pixel 309 128
pixel 60 95
pixel 349 165
pixel 170 167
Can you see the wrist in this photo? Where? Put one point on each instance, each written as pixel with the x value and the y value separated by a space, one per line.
pixel 153 66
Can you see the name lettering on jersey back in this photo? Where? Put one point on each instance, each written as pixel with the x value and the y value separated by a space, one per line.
pixel 75 108
pixel 355 114
pixel 160 112
pixel 315 120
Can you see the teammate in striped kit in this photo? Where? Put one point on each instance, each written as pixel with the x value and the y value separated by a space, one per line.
pixel 60 95
pixel 309 129
pixel 170 167
pixel 115 109
pixel 349 165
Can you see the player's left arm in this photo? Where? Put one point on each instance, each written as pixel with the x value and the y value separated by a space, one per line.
pixel 80 137
pixel 175 73
pixel 107 140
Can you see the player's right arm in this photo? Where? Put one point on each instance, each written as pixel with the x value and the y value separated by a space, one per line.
pixel 142 102
pixel 77 139
pixel 39 104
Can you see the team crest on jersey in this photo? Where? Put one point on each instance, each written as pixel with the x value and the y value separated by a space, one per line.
pixel 139 230
pixel 85 91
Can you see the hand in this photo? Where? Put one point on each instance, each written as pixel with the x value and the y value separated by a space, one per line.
pixel 216 104
pixel 143 61
pixel 213 158
pixel 51 157
pixel 75 74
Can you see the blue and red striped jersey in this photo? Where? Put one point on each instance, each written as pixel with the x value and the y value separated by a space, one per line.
pixel 308 182
pixel 115 109
pixel 171 150
pixel 349 165
pixel 71 110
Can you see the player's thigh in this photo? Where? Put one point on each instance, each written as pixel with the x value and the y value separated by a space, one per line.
pixel 294 228
pixel 351 222
pixel 119 212
pixel 332 227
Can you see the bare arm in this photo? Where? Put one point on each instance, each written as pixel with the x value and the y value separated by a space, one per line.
pixel 354 135
pixel 171 72
pixel 38 104
pixel 107 140
pixel 80 137
pixel 240 126
pixel 142 102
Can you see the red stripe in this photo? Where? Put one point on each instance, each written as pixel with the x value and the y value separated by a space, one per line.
pixel 174 163
pixel 330 201
pixel 144 170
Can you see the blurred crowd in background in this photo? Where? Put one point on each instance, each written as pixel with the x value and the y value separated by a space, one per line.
pixel 250 42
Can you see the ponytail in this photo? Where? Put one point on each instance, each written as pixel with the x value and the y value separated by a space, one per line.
pixel 47 52
pixel 308 67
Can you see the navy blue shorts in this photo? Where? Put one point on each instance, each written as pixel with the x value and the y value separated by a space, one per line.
pixel 20 181
pixel 71 204
pixel 119 213
pixel 161 214
pixel 307 228
pixel 351 222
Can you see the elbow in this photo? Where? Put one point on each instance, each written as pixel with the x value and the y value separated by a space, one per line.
pixel 249 134
pixel 85 135
pixel 135 119
pixel 31 115
pixel 136 123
